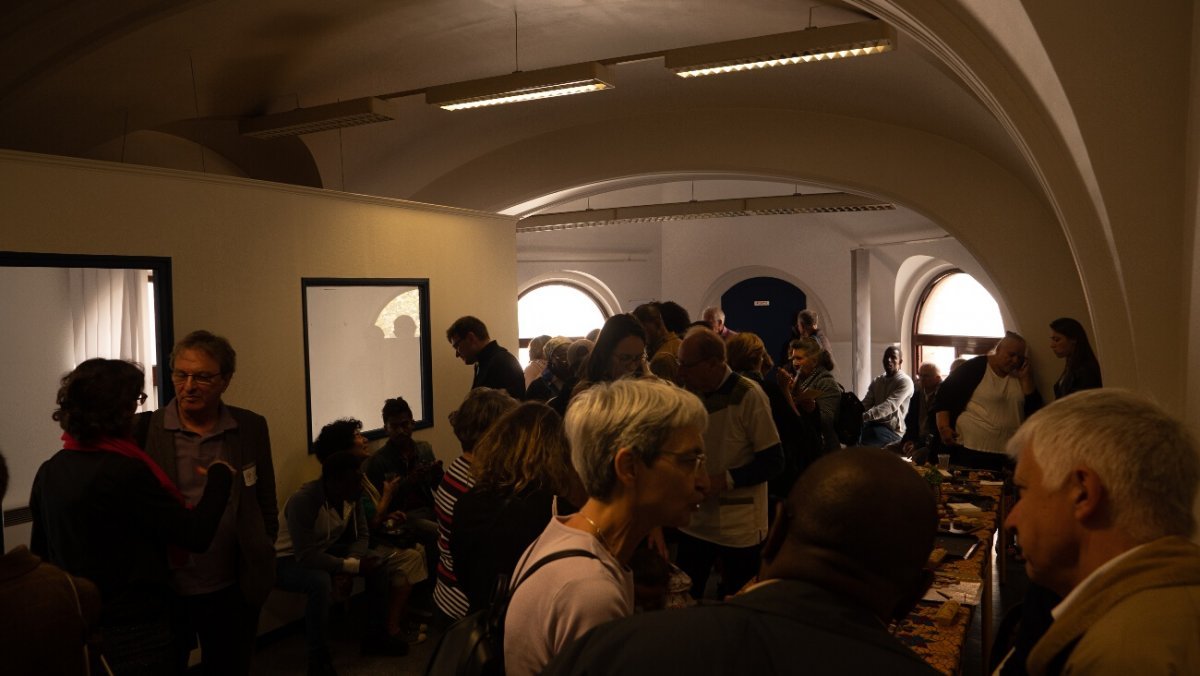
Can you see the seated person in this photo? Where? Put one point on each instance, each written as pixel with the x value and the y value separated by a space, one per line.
pixel 410 461
pixel 886 403
pixel 325 544
pixel 845 557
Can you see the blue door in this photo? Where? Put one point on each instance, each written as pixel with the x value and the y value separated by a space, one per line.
pixel 766 306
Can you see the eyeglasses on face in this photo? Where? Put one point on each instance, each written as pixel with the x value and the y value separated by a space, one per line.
pixel 695 460
pixel 204 379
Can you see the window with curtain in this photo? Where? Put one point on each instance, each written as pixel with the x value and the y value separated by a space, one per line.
pixel 956 318
pixel 112 317
pixel 556 309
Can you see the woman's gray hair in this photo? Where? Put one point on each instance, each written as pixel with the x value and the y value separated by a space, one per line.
pixel 1145 458
pixel 639 414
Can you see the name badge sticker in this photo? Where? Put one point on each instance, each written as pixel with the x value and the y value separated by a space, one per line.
pixel 250 474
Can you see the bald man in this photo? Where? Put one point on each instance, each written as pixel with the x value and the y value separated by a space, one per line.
pixel 845 556
pixel 981 404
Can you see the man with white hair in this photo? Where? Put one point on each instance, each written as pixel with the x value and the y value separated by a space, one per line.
pixel 1107 482
pixel 715 318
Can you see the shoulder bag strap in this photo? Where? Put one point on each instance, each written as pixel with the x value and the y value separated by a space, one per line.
pixel 564 554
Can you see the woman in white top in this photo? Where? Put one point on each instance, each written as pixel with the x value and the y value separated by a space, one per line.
pixel 637 447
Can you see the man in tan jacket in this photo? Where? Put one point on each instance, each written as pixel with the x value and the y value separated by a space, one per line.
pixel 1107 482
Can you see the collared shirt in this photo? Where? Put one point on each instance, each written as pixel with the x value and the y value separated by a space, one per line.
pixel 216 568
pixel 1061 608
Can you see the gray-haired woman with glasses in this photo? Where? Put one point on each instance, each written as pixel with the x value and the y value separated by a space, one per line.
pixel 637 446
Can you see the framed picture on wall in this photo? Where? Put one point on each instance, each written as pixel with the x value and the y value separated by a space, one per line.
pixel 366 341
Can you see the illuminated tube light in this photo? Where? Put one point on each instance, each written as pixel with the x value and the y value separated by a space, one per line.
pixel 783 49
pixel 521 86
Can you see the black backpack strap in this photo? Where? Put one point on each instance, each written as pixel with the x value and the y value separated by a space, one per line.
pixel 549 558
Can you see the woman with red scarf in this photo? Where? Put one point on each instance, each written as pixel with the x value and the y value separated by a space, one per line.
pixel 104 511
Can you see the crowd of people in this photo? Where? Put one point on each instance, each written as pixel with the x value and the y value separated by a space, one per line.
pixel 656 464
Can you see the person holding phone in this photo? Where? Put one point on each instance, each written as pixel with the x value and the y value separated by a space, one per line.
pixel 982 403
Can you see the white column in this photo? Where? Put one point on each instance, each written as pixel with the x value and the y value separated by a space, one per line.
pixel 860 332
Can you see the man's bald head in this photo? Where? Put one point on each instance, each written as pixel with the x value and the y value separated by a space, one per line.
pixel 868 506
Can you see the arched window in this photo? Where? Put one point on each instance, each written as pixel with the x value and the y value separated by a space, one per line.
pixel 556 309
pixel 956 317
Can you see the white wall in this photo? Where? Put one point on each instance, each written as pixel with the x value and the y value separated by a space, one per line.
pixel 696 261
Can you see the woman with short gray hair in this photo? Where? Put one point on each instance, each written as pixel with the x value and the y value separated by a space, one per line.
pixel 638 447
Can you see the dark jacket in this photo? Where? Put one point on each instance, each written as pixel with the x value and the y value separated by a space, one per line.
pixel 249 445
pixel 105 517
pixel 491 530
pixel 784 627
pixel 498 369
pixel 48 614
pixel 1085 377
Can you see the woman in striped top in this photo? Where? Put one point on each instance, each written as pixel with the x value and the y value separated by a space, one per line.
pixel 482 407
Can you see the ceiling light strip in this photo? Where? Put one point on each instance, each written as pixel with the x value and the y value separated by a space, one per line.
pixel 547 83
pixel 813 44
pixel 821 203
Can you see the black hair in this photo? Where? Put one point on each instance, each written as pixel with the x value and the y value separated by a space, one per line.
pixel 98 399
pixel 616 329
pixel 336 437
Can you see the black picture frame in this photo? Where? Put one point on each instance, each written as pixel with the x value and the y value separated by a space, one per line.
pixel 350 365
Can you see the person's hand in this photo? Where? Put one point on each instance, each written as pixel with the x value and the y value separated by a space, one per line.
pixel 368 565
pixel 1024 373
pixel 948 435
pixel 785 380
pixel 203 471
pixel 390 485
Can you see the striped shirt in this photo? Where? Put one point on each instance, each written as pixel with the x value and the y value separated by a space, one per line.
pixel 457 479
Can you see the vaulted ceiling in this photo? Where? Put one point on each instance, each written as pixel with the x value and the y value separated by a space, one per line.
pixel 88 79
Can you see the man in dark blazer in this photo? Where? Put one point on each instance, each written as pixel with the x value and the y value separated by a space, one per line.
pixel 844 557
pixel 222 590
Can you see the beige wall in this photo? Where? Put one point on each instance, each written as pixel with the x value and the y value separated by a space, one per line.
pixel 239 249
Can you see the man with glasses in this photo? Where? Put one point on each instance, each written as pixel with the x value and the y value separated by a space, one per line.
pixel 222 590
pixel 495 367
pixel 743 453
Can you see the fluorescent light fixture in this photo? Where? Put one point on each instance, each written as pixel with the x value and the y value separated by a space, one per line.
pixel 521 86
pixel 318 118
pixel 782 49
pixel 819 203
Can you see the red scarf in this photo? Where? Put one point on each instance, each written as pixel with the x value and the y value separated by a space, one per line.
pixel 127 448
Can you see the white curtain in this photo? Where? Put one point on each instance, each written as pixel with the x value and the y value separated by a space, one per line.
pixel 108 308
